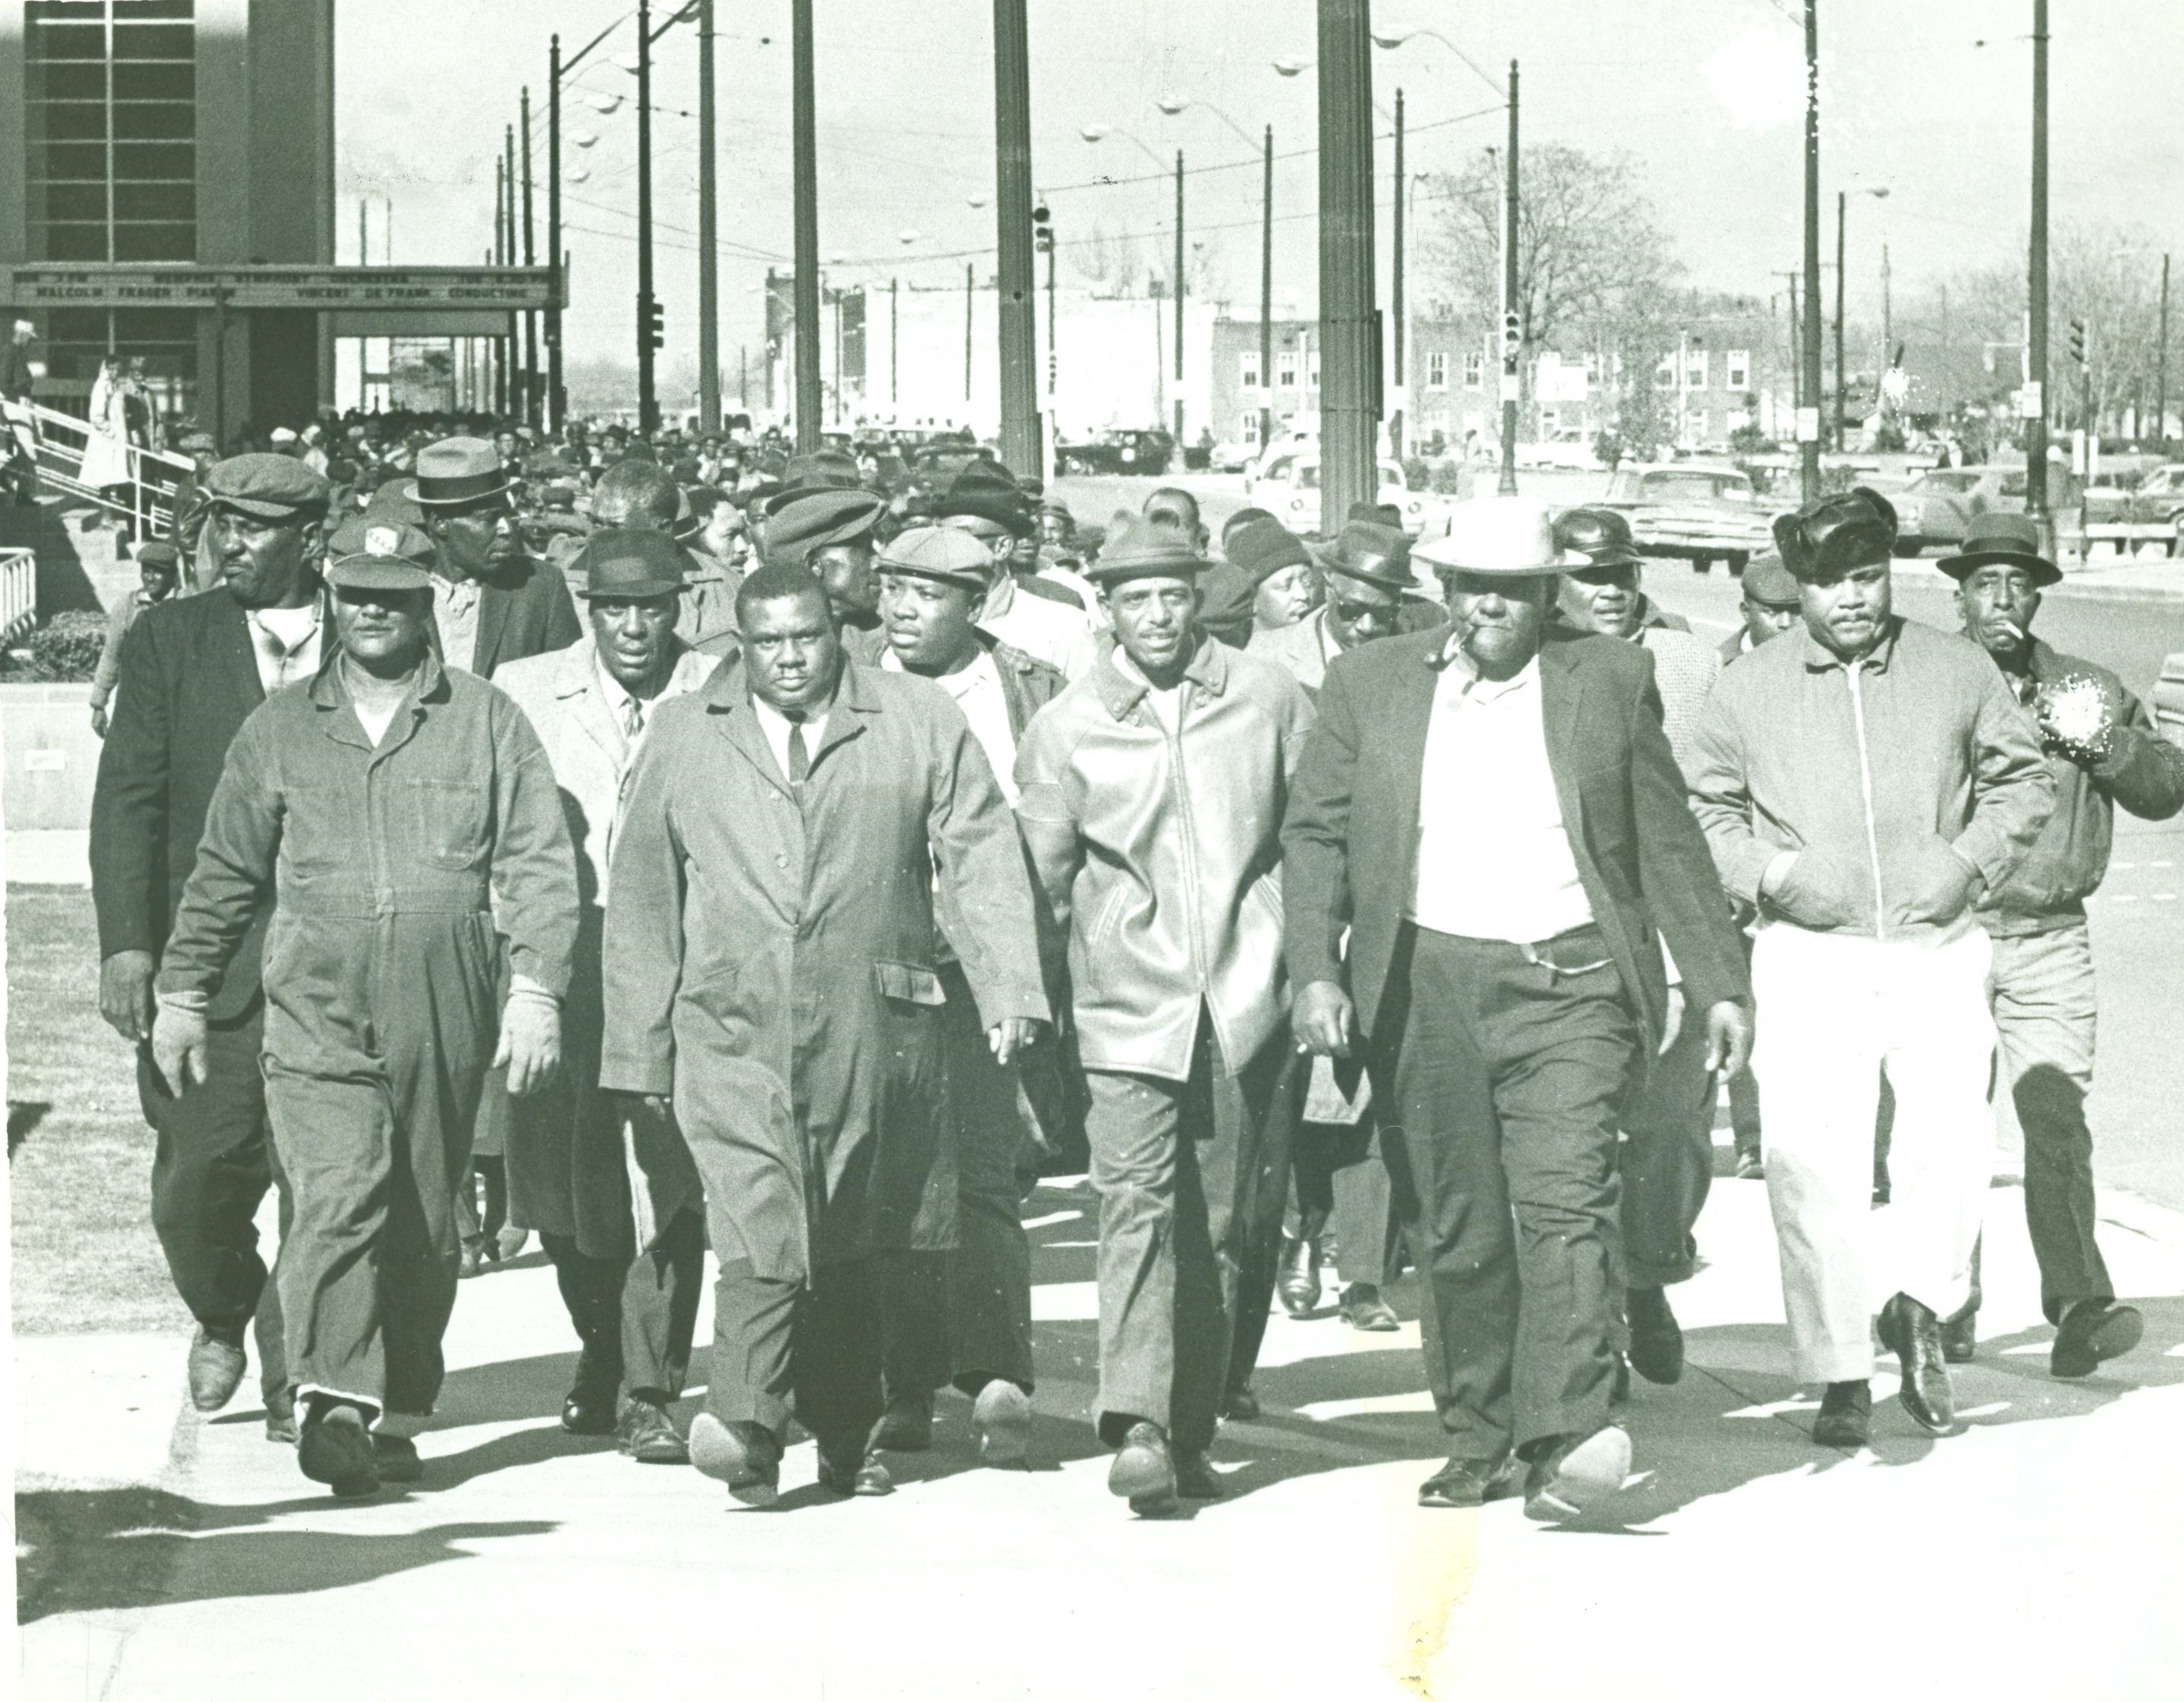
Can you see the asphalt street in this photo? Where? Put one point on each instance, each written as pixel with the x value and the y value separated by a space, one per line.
pixel 2137 917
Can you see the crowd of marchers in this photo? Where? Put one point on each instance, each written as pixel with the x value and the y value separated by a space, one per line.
pixel 665 845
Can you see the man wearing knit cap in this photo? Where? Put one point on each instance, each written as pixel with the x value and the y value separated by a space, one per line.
pixel 1152 801
pixel 1284 579
pixel 833 532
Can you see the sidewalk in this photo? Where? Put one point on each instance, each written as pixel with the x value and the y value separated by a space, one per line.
pixel 2039 1549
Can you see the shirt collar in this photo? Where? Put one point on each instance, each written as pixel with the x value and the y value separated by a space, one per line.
pixel 1122 683
pixel 1818 659
pixel 1454 662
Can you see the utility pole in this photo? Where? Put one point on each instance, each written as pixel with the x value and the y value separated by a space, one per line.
pixel 709 272
pixel 1842 202
pixel 1179 294
pixel 648 395
pixel 1267 296
pixel 1888 314
pixel 1016 307
pixel 1797 376
pixel 969 304
pixel 512 402
pixel 1399 420
pixel 894 342
pixel 2036 334
pixel 1350 383
pixel 1513 336
pixel 557 401
pixel 530 409
pixel 363 253
pixel 2161 364
pixel 804 123
pixel 1808 411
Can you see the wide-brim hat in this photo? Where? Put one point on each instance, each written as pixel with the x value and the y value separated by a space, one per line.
pixel 1145 549
pixel 945 554
pixel 1497 537
pixel 623 562
pixel 1836 534
pixel 458 473
pixel 377 554
pixel 2013 538
pixel 1373 553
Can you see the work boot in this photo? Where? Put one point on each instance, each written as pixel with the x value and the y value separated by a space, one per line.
pixel 216 1368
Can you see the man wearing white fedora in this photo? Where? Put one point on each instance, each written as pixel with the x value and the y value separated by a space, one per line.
pixel 1500 825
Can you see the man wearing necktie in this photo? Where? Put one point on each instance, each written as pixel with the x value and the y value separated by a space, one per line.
pixel 770 976
pixel 610 1188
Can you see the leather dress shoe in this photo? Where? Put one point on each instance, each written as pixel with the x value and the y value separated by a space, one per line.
pixel 742 1453
pixel 1362 1309
pixel 1913 1333
pixel 216 1367
pixel 2093 1330
pixel 648 1435
pixel 851 1469
pixel 1241 1403
pixel 1467 1482
pixel 1001 1416
pixel 589 1410
pixel 1195 1479
pixel 1656 1339
pixel 1143 1471
pixel 1960 1337
pixel 508 1243
pixel 906 1425
pixel 1845 1418
pixel 281 1417
pixel 1298 1285
pixel 1574 1475
pixel 333 1448
pixel 397 1458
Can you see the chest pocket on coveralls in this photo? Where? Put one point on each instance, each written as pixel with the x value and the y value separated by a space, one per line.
pixel 448 822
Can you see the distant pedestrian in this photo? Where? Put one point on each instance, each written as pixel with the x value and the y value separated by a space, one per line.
pixel 158 569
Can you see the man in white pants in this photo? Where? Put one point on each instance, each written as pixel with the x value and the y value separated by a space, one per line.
pixel 1863 784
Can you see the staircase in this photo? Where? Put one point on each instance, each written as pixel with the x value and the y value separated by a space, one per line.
pixel 76 569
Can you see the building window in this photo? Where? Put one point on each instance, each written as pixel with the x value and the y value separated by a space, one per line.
pixel 110 123
pixel 1285 370
pixel 1592 367
pixel 1474 369
pixel 1312 371
pixel 1437 370
pixel 1250 433
pixel 1664 375
pixel 1695 369
pixel 1248 361
pixel 1740 369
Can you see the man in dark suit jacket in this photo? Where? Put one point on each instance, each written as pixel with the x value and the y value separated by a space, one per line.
pixel 192 669
pixel 1501 829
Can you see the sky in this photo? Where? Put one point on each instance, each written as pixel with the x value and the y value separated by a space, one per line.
pixel 1929 100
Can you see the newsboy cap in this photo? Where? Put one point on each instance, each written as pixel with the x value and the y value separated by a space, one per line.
pixel 158 553
pixel 622 562
pixel 1992 537
pixel 1835 534
pixel 273 487
pixel 816 519
pixel 1768 583
pixel 944 554
pixel 368 554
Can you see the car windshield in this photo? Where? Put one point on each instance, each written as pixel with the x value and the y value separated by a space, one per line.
pixel 1953 481
pixel 1705 487
pixel 1308 476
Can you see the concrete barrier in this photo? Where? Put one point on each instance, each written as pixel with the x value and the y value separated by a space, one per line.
pixel 50 756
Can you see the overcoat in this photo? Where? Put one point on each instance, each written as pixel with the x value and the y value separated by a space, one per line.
pixel 770 959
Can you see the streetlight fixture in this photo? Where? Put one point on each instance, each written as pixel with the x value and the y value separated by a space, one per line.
pixel 1294 64
pixel 1099 133
pixel 1175 105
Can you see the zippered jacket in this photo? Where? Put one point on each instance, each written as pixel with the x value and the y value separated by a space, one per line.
pixel 1888 777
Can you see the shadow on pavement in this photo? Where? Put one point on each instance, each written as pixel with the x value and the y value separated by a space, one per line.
pixel 94 1549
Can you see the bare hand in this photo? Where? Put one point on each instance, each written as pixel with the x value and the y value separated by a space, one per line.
pixel 178 1048
pixel 1672 1021
pixel 1728 1037
pixel 124 994
pixel 1011 1036
pixel 98 722
pixel 529 1044
pixel 1325 1020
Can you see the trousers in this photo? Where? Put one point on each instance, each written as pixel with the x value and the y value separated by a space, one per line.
pixel 1341 1185
pixel 2046 1006
pixel 213 1162
pixel 1183 1171
pixel 1501 1070
pixel 1836 1011
pixel 809 1349
pixel 1668 1160
pixel 634 1317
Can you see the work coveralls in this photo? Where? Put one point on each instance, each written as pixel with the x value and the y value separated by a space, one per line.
pixel 378 972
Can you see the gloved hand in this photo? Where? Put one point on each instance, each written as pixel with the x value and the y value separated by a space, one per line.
pixel 178 1047
pixel 530 1041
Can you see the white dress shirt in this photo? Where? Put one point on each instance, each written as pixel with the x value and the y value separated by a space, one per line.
pixel 1494 858
pixel 286 642
pixel 978 692
pixel 776 725
pixel 457 614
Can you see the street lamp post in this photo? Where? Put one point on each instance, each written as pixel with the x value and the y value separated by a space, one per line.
pixel 1843 381
pixel 557 396
pixel 1809 416
pixel 709 273
pixel 1016 307
pixel 648 397
pixel 530 408
pixel 804 105
pixel 2035 405
pixel 1172 105
pixel 1098 133
pixel 1350 393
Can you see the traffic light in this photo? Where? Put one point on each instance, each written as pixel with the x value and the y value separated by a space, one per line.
pixel 2078 341
pixel 651 329
pixel 1042 229
pixel 1512 338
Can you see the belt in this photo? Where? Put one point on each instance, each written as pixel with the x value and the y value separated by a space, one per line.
pixel 1575 951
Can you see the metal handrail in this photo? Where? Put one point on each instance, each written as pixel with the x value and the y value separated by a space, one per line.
pixel 155 473
pixel 18 593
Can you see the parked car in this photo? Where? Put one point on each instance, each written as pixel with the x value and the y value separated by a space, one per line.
pixel 1570 449
pixel 1934 508
pixel 1290 491
pixel 2151 513
pixel 1231 458
pixel 1118 452
pixel 1693 512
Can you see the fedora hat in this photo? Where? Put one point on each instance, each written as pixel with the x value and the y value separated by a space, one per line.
pixel 622 562
pixel 1836 534
pixel 2001 537
pixel 1374 552
pixel 458 473
pixel 1141 548
pixel 1601 536
pixel 1501 537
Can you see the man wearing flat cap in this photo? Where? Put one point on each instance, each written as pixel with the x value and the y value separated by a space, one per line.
pixel 191 670
pixel 494 602
pixel 831 531
pixel 965 1316
pixel 1038 615
pixel 1770 603
pixel 399 812
pixel 1151 796
pixel 1500 827
pixel 610 1187
pixel 1865 783
pixel 2103 752
pixel 158 568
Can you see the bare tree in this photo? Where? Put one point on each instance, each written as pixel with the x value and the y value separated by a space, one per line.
pixel 1107 262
